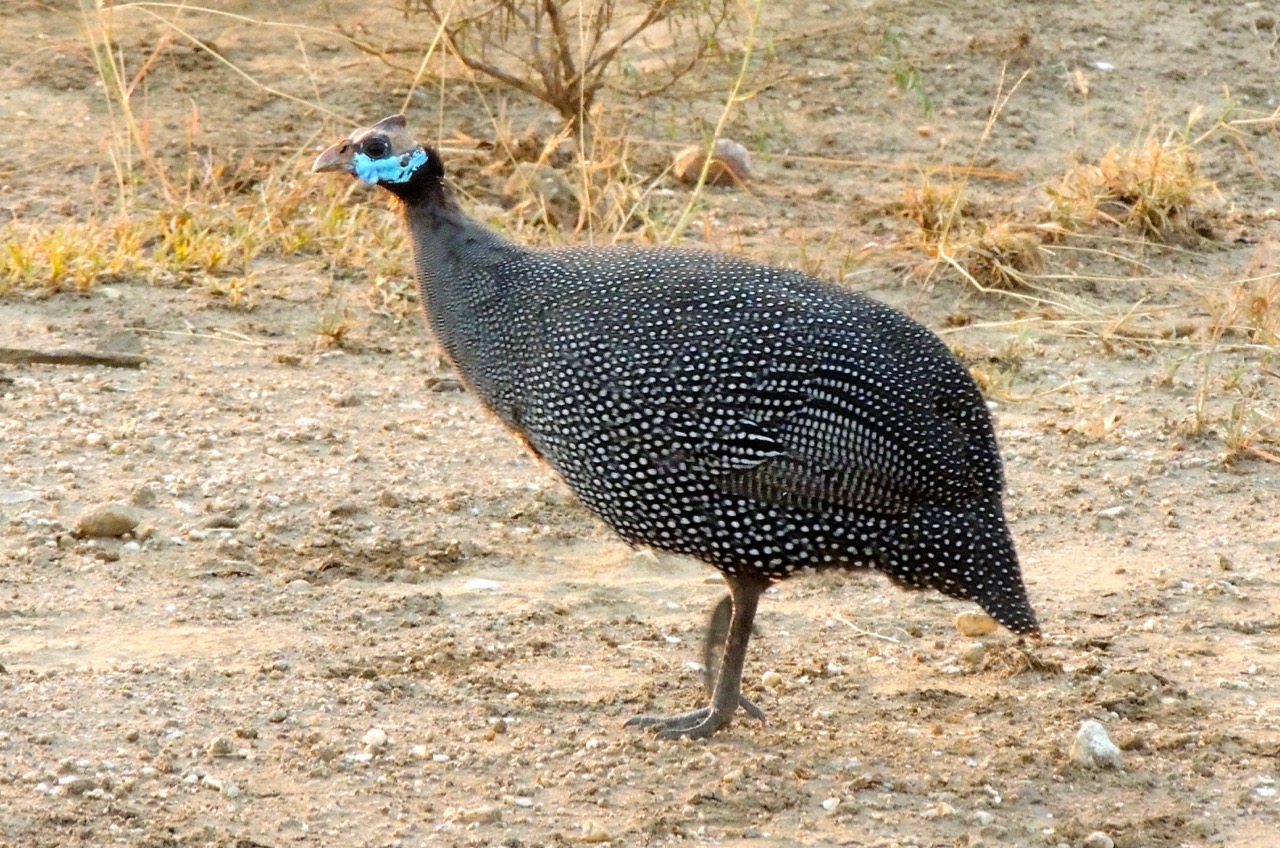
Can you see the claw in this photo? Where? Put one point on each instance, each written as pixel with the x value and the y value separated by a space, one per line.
pixel 697 724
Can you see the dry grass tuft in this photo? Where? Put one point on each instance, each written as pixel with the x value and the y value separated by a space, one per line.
pixel 994 253
pixel 1002 254
pixel 935 207
pixel 1154 189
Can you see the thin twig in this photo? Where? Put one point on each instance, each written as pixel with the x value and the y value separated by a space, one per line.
pixel 107 359
pixel 871 633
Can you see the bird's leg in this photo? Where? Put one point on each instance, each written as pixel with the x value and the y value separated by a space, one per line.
pixel 744 596
pixel 713 645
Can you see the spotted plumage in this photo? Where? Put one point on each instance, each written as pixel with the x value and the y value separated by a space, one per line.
pixel 750 416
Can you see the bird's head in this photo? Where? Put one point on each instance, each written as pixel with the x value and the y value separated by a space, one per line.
pixel 387 155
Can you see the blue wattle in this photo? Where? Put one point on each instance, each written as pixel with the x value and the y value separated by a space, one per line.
pixel 393 169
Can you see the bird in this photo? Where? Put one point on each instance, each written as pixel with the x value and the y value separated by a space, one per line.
pixel 753 417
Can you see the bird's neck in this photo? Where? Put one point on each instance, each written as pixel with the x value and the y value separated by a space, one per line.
pixel 468 305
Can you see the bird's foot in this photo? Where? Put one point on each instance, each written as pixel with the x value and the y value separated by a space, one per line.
pixel 698 724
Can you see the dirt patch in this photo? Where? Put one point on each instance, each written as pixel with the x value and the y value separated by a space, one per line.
pixel 334 541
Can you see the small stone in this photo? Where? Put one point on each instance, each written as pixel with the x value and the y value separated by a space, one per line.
pixel 230 789
pixel 771 679
pixel 219 746
pixel 421 752
pixel 481 815
pixel 1098 839
pixel 830 804
pixel 974 655
pixel 645 558
pixel 108 520
pixel 344 509
pixel 277 716
pixel 1113 512
pixel 343 399
pixel 76 784
pixel 300 587
pixel 982 818
pixel 973 624
pixel 480 584
pixel 730 164
pixel 374 741
pixel 444 384
pixel 594 834
pixel 1093 748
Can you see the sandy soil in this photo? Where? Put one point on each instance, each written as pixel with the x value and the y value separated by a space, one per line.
pixel 332 544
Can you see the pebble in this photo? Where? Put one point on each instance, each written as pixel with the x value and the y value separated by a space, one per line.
pixel 300 587
pixel 481 584
pixel 420 751
pixel 973 655
pixel 1093 748
pixel 76 784
pixel 108 520
pixel 374 741
pixel 481 815
pixel 830 804
pixel 219 746
pixel 730 164
pixel 593 834
pixel 1098 839
pixel 973 624
pixel 771 680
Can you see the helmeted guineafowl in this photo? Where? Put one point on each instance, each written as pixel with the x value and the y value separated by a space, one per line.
pixel 753 417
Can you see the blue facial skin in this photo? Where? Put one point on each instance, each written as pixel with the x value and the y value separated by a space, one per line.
pixel 392 169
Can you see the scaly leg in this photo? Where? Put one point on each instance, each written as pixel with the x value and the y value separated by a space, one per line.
pixel 713 644
pixel 744 596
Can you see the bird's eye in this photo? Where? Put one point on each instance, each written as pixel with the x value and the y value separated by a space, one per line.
pixel 376 148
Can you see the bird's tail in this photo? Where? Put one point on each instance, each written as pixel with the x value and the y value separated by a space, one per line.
pixel 965 552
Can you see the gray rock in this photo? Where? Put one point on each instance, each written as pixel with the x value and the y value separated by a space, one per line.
pixel 108 520
pixel 1093 748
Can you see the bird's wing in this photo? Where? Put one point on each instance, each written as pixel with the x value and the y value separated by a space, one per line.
pixel 859 419
pixel 868 436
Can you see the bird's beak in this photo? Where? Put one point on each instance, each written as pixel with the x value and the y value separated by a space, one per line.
pixel 336 158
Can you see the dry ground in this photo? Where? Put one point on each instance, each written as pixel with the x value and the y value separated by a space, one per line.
pixel 316 516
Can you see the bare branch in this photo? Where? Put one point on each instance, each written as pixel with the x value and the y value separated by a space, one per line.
pixel 552 8
pixel 560 66
pixel 109 359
